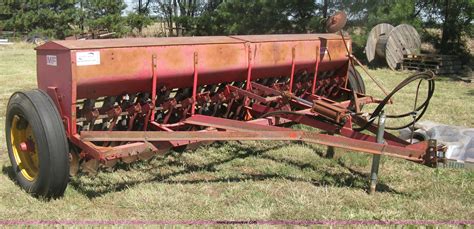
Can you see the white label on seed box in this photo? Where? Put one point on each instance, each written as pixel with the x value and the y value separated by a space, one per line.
pixel 51 60
pixel 87 58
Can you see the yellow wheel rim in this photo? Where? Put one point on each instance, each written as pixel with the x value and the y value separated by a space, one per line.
pixel 24 148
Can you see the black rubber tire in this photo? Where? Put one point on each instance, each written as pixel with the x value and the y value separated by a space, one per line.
pixel 355 81
pixel 51 143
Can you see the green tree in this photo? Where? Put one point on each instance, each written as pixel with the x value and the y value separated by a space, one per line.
pixel 141 17
pixel 452 17
pixel 105 15
pixel 258 17
pixel 138 21
pixel 394 13
pixel 55 18
pixel 457 23
pixel 180 16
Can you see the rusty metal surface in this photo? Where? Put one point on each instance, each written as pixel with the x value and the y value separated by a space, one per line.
pixel 365 146
pixel 249 94
pixel 129 150
pixel 126 65
pixel 286 37
pixel 167 41
pixel 228 124
pixel 135 42
pixel 157 65
pixel 409 153
pixel 336 22
pixel 189 135
pixel 330 111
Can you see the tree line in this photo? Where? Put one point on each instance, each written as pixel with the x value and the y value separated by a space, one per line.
pixel 446 23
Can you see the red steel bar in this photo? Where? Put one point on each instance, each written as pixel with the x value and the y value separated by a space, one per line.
pixel 292 75
pixel 249 71
pixel 316 66
pixel 153 88
pixel 195 83
pixel 409 153
pixel 233 125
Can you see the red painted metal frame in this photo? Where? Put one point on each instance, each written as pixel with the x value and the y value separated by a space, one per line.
pixel 238 130
pixel 126 67
pixel 292 74
pixel 249 71
pixel 153 88
pixel 316 67
pixel 195 83
pixel 410 152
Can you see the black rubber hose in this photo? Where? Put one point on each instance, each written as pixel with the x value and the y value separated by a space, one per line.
pixel 429 76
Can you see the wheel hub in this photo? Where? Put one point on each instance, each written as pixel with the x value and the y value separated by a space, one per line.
pixel 23 145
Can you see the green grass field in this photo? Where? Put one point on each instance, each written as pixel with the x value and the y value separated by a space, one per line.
pixel 253 180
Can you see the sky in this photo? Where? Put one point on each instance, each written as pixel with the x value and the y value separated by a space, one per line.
pixel 130 5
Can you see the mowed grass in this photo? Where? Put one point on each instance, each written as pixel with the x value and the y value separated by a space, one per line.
pixel 253 180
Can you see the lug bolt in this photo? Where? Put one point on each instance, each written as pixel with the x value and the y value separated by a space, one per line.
pixel 24 146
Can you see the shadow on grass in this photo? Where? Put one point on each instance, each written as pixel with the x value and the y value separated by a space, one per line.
pixel 449 78
pixel 471 92
pixel 381 187
pixel 352 178
pixel 8 171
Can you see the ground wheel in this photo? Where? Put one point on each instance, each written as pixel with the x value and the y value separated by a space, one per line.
pixel 355 81
pixel 37 144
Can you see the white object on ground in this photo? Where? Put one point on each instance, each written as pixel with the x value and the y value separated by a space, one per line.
pixel 5 42
pixel 459 140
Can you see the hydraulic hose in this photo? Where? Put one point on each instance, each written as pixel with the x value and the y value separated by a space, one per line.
pixel 418 112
